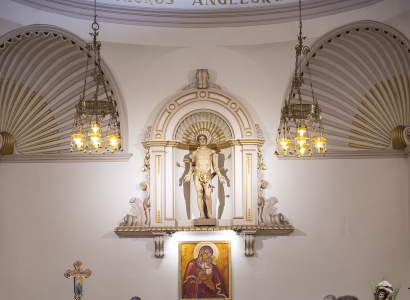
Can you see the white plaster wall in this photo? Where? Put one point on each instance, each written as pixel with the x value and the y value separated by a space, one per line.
pixel 351 216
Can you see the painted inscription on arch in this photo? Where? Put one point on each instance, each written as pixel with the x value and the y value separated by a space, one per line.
pixel 189 4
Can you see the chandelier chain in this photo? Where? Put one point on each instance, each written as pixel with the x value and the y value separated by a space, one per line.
pixel 300 127
pixel 91 127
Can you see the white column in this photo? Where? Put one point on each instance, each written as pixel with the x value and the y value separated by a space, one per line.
pixel 249 182
pixel 169 192
pixel 157 160
pixel 238 215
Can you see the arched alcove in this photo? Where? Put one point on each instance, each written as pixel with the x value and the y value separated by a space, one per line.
pixel 170 143
pixel 42 71
pixel 360 75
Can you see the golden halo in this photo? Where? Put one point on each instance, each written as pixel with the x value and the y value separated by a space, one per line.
pixel 210 244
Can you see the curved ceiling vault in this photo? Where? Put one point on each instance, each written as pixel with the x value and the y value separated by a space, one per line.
pixel 41 78
pixel 197 13
pixel 360 74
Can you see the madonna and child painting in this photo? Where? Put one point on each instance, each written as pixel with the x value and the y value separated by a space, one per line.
pixel 204 270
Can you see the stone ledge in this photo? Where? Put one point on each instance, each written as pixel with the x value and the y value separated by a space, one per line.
pixel 136 231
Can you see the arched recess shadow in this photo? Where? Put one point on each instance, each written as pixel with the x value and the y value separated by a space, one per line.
pixel 59 56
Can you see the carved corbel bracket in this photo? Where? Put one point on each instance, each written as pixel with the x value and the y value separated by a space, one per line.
pixel 249 237
pixel 159 241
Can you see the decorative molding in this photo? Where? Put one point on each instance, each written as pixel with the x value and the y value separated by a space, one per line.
pixel 158 188
pixel 139 231
pixel 132 13
pixel 213 101
pixel 248 187
pixel 6 143
pixel 37 97
pixel 78 157
pixel 357 154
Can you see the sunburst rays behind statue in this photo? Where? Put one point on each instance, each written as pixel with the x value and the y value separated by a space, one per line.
pixel 214 127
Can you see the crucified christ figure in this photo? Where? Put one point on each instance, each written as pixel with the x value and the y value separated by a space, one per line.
pixel 202 160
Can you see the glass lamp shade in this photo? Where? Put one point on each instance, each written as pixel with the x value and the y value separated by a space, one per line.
pixel 320 144
pixel 95 135
pixel 79 140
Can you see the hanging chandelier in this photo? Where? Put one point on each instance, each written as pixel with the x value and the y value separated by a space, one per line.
pixel 300 128
pixel 96 125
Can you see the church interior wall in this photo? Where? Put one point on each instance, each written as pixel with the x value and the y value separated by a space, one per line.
pixel 351 216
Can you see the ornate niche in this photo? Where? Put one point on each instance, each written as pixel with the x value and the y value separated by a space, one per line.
pixel 169 204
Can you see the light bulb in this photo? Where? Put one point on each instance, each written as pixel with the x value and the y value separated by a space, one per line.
pixel 95 127
pixel 301 130
pixel 113 138
pixel 319 143
pixel 78 139
pixel 284 143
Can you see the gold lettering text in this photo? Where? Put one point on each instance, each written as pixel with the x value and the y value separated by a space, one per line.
pixel 223 2
pixel 170 2
pixel 233 3
pixel 138 1
pixel 255 1
pixel 199 2
pixel 159 1
pixel 149 1
pixel 211 1
pixel 244 2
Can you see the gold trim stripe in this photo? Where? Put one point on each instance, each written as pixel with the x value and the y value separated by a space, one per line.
pixel 366 129
pixel 3 101
pixel 158 184
pixel 10 93
pixel 29 110
pixel 37 144
pixel 353 145
pixel 13 120
pixel 34 115
pixel 38 138
pixel 249 208
pixel 367 141
pixel 130 229
pixel 12 104
pixel 386 140
pixel 27 134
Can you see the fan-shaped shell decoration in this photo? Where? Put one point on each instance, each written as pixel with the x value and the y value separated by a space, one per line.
pixel 360 75
pixel 41 78
pixel 214 127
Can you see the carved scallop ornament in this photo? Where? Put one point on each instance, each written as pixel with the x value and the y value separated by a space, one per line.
pixel 360 75
pixel 41 78
pixel 212 126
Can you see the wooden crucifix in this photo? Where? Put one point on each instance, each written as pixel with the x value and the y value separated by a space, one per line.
pixel 78 274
